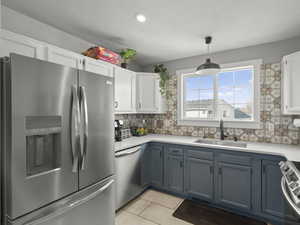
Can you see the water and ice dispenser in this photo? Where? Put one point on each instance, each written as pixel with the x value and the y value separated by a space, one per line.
pixel 43 144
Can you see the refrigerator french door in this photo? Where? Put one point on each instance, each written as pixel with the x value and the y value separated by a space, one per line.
pixel 38 160
pixel 55 134
pixel 98 129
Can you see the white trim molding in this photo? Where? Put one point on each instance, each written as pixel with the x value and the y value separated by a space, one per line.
pixel 252 124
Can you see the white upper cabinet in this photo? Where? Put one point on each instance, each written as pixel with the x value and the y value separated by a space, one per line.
pixel 64 57
pixel 125 90
pixel 290 84
pixel 97 66
pixel 147 96
pixel 149 99
pixel 133 93
pixel 19 44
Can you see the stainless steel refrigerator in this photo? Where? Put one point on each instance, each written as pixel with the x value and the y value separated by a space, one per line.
pixel 56 144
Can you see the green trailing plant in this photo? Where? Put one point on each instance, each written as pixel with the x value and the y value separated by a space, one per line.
pixel 164 78
pixel 127 54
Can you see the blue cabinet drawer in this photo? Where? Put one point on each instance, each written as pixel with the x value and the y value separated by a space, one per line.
pixel 175 150
pixel 156 145
pixel 200 154
pixel 234 158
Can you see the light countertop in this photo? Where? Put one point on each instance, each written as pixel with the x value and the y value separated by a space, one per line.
pixel 291 152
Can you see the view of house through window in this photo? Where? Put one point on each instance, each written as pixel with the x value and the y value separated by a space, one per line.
pixel 227 95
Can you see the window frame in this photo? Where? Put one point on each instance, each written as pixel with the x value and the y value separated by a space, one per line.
pixel 254 124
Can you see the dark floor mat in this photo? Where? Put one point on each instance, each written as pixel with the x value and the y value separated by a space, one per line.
pixel 200 214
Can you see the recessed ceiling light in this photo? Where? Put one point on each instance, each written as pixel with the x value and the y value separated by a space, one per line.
pixel 141 18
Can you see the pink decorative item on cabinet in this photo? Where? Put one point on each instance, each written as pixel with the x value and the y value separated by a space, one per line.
pixel 104 54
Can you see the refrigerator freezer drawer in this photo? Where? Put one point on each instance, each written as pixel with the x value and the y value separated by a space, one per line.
pixel 93 205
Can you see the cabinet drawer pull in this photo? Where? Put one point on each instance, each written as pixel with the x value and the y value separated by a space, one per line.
pixel 264 169
pixel 220 170
pixel 211 169
pixel 181 164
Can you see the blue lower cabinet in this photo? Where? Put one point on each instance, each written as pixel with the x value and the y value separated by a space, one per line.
pixel 157 165
pixel 174 173
pixel 234 184
pixel 273 201
pixel 199 178
pixel 242 182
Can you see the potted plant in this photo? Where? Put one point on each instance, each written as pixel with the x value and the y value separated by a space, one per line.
pixel 126 55
pixel 164 78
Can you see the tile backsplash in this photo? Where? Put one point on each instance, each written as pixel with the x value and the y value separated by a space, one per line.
pixel 275 127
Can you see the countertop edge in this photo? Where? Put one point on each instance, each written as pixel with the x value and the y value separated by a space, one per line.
pixel 190 142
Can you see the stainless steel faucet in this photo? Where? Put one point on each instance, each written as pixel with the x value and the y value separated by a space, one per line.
pixel 222 135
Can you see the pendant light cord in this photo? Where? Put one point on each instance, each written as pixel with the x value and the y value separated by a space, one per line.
pixel 208 52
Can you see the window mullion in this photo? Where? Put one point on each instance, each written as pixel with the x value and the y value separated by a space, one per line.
pixel 216 88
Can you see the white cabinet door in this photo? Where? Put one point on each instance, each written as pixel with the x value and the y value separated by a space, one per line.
pixel 290 84
pixel 64 57
pixel 125 90
pixel 98 66
pixel 14 43
pixel 147 86
pixel 149 99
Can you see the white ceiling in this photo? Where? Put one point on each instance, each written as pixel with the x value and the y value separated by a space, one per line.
pixel 174 28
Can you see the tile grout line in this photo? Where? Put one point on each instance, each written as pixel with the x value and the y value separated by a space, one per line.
pixel 157 203
pixel 152 221
pixel 142 217
pixel 145 207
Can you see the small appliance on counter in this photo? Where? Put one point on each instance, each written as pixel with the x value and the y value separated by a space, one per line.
pixel 290 183
pixel 118 128
pixel 121 133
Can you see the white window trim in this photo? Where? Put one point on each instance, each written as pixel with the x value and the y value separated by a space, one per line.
pixel 254 124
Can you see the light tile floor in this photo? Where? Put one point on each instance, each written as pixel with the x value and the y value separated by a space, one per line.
pixel 151 208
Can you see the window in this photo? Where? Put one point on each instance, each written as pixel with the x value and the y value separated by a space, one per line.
pixel 232 95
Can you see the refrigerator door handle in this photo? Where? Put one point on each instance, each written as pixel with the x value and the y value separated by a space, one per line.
pixel 85 123
pixel 75 134
pixel 69 206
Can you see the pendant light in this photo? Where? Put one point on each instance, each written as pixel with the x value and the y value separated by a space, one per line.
pixel 208 68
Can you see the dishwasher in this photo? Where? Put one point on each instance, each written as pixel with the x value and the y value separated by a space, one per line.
pixel 128 175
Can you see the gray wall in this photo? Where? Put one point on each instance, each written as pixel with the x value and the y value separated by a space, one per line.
pixel 22 24
pixel 270 53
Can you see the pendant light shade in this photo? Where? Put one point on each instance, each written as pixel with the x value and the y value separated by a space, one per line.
pixel 208 67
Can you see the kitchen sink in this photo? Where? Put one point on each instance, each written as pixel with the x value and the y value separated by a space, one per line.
pixel 222 143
